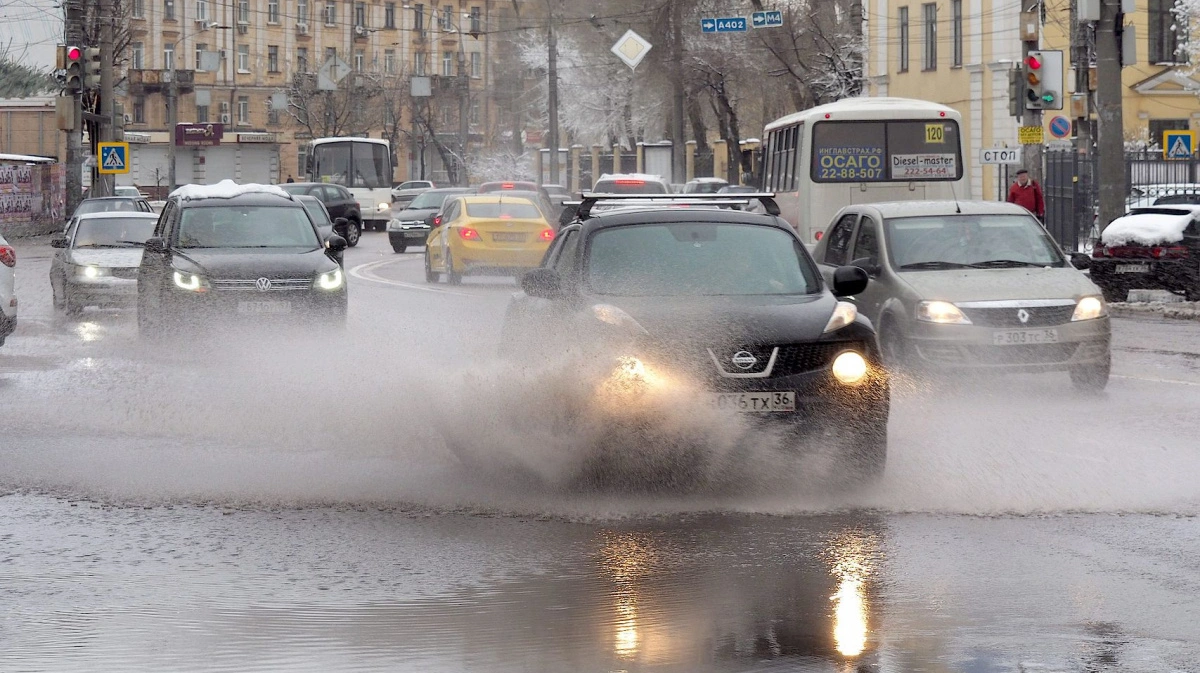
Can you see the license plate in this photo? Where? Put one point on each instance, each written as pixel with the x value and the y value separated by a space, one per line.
pixel 506 237
pixel 267 307
pixel 782 401
pixel 1020 337
pixel 1133 268
pixel 416 234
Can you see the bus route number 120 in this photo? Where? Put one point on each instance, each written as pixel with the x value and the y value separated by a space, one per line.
pixel 935 133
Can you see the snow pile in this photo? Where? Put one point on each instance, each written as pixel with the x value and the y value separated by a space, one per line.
pixel 1147 228
pixel 225 189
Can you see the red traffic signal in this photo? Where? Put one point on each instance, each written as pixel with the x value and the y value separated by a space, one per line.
pixel 74 54
pixel 1033 63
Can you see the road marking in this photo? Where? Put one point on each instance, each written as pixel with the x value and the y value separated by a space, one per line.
pixel 367 272
pixel 1141 378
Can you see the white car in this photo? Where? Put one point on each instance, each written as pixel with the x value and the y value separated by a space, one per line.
pixel 631 183
pixel 8 298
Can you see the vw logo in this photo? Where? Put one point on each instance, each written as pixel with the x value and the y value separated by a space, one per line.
pixel 263 284
pixel 744 359
pixel 1023 316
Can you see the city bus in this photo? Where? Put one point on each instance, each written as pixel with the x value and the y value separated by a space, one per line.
pixel 861 150
pixel 362 165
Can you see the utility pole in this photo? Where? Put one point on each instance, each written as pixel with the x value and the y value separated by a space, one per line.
pixel 464 94
pixel 1030 31
pixel 1081 58
pixel 105 126
pixel 552 48
pixel 678 160
pixel 73 35
pixel 172 119
pixel 1111 127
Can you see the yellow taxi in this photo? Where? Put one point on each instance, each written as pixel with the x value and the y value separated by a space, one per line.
pixel 487 234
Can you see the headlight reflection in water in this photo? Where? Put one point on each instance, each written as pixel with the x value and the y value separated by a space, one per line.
pixel 852 557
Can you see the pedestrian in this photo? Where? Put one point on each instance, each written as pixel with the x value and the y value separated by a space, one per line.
pixel 291 179
pixel 1027 193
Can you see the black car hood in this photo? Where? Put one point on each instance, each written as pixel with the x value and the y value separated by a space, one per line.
pixel 710 321
pixel 417 214
pixel 255 263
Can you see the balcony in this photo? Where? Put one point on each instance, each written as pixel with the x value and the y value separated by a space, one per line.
pixel 149 81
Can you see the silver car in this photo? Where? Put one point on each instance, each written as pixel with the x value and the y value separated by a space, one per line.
pixel 96 262
pixel 8 297
pixel 971 285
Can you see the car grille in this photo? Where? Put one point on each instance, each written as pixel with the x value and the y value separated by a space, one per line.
pixel 1039 316
pixel 792 358
pixel 277 284
pixel 1037 354
pixel 123 272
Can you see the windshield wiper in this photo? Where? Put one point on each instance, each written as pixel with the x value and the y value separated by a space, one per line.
pixel 133 244
pixel 1004 264
pixel 935 265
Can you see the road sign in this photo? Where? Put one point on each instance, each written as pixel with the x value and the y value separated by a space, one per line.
pixel 766 19
pixel 631 48
pixel 1000 155
pixel 731 24
pixel 708 25
pixel 1060 127
pixel 1030 135
pixel 332 71
pixel 1178 144
pixel 114 158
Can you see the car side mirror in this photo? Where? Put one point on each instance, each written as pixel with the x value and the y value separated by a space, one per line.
pixel 1081 261
pixel 157 245
pixel 542 282
pixel 867 265
pixel 339 226
pixel 58 242
pixel 335 243
pixel 849 281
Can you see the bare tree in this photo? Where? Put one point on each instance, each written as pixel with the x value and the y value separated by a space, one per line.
pixel 352 109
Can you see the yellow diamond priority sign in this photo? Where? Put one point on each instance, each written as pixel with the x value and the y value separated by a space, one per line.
pixel 631 49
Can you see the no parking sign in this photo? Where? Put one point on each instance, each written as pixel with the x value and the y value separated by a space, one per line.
pixel 1060 127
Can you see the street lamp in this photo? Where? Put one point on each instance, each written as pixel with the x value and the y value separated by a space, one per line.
pixel 173 103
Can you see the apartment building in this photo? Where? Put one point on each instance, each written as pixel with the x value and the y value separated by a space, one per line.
pixel 958 52
pixel 247 73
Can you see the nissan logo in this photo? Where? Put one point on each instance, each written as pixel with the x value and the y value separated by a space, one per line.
pixel 263 284
pixel 1023 316
pixel 743 359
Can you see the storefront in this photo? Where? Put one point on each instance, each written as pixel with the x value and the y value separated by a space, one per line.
pixel 204 154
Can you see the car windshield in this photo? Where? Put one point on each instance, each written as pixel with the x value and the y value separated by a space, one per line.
pixel 1189 199
pixel 956 241
pixel 293 188
pixel 113 232
pixel 246 227
pixel 698 259
pixel 126 191
pixel 703 187
pixel 428 201
pixel 107 206
pixel 413 185
pixel 504 211
pixel 316 212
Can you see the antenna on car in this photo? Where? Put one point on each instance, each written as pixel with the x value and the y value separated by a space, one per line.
pixel 954 193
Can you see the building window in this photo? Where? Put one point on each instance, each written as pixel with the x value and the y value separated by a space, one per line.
pixel 389 15
pixel 302 59
pixel 419 64
pixel 389 61
pixel 272 58
pixel 169 10
pixel 199 56
pixel 139 109
pixel 302 11
pixel 330 12
pixel 202 10
pixel 1166 31
pixel 447 17
pixel 1157 126
pixel 476 64
pixel 243 110
pixel 360 60
pixel 139 9
pixel 272 113
pixel 201 114
pixel 476 23
pixel 474 118
pixel 929 15
pixel 138 60
pixel 903 39
pixel 243 62
pixel 330 53
pixel 447 63
pixel 360 15
pixel 169 57
pixel 272 11
pixel 957 9
pixel 419 18
pixel 243 11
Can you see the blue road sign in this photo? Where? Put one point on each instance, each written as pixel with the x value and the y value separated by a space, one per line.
pixel 1060 127
pixel 766 19
pixel 731 24
pixel 114 158
pixel 708 25
pixel 1178 144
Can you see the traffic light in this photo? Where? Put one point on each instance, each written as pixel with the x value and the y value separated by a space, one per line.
pixel 91 68
pixel 1043 80
pixel 74 67
pixel 1015 100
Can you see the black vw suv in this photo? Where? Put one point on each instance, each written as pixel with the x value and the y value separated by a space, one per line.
pixel 239 252
pixel 681 298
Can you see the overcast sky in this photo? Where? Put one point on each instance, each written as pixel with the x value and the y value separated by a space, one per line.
pixel 29 29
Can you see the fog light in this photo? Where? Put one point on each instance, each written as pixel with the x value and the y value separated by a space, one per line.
pixel 849 367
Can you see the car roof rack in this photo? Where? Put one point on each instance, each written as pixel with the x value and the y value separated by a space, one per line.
pixel 590 199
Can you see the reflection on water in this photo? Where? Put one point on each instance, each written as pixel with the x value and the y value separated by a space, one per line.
pixel 89 331
pixel 625 560
pixel 852 555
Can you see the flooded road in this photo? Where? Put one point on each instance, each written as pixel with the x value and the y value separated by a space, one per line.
pixel 270 502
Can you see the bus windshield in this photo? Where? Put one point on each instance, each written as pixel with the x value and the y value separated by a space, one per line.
pixel 886 151
pixel 352 164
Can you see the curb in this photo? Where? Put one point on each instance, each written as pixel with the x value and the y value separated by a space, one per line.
pixel 1174 310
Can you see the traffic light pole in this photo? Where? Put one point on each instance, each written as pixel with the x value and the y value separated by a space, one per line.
pixel 73 34
pixel 1032 117
pixel 106 87
pixel 1110 143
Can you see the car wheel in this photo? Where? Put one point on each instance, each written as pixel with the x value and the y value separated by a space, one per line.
pixel 867 459
pixel 452 276
pixel 149 323
pixel 353 232
pixel 1091 378
pixel 399 247
pixel 893 346
pixel 1114 294
pixel 58 302
pixel 70 307
pixel 431 276
pixel 1193 294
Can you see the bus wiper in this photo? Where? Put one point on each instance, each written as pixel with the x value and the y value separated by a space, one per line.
pixel 1005 264
pixel 935 265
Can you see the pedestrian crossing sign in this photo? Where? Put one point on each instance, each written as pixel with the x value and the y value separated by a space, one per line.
pixel 1178 144
pixel 114 158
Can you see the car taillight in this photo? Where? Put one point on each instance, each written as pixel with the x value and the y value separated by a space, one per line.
pixel 8 256
pixel 1099 250
pixel 468 234
pixel 1173 252
pixel 437 220
pixel 547 234
pixel 507 185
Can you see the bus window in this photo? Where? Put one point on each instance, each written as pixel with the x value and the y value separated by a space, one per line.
pixel 352 164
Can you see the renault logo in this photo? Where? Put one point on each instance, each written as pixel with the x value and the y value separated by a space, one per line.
pixel 744 359
pixel 1023 316
pixel 264 284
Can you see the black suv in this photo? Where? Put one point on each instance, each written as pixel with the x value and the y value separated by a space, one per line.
pixel 245 252
pixel 712 309
pixel 338 201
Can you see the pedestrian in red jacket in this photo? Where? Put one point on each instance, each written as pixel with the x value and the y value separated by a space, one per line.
pixel 1027 194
